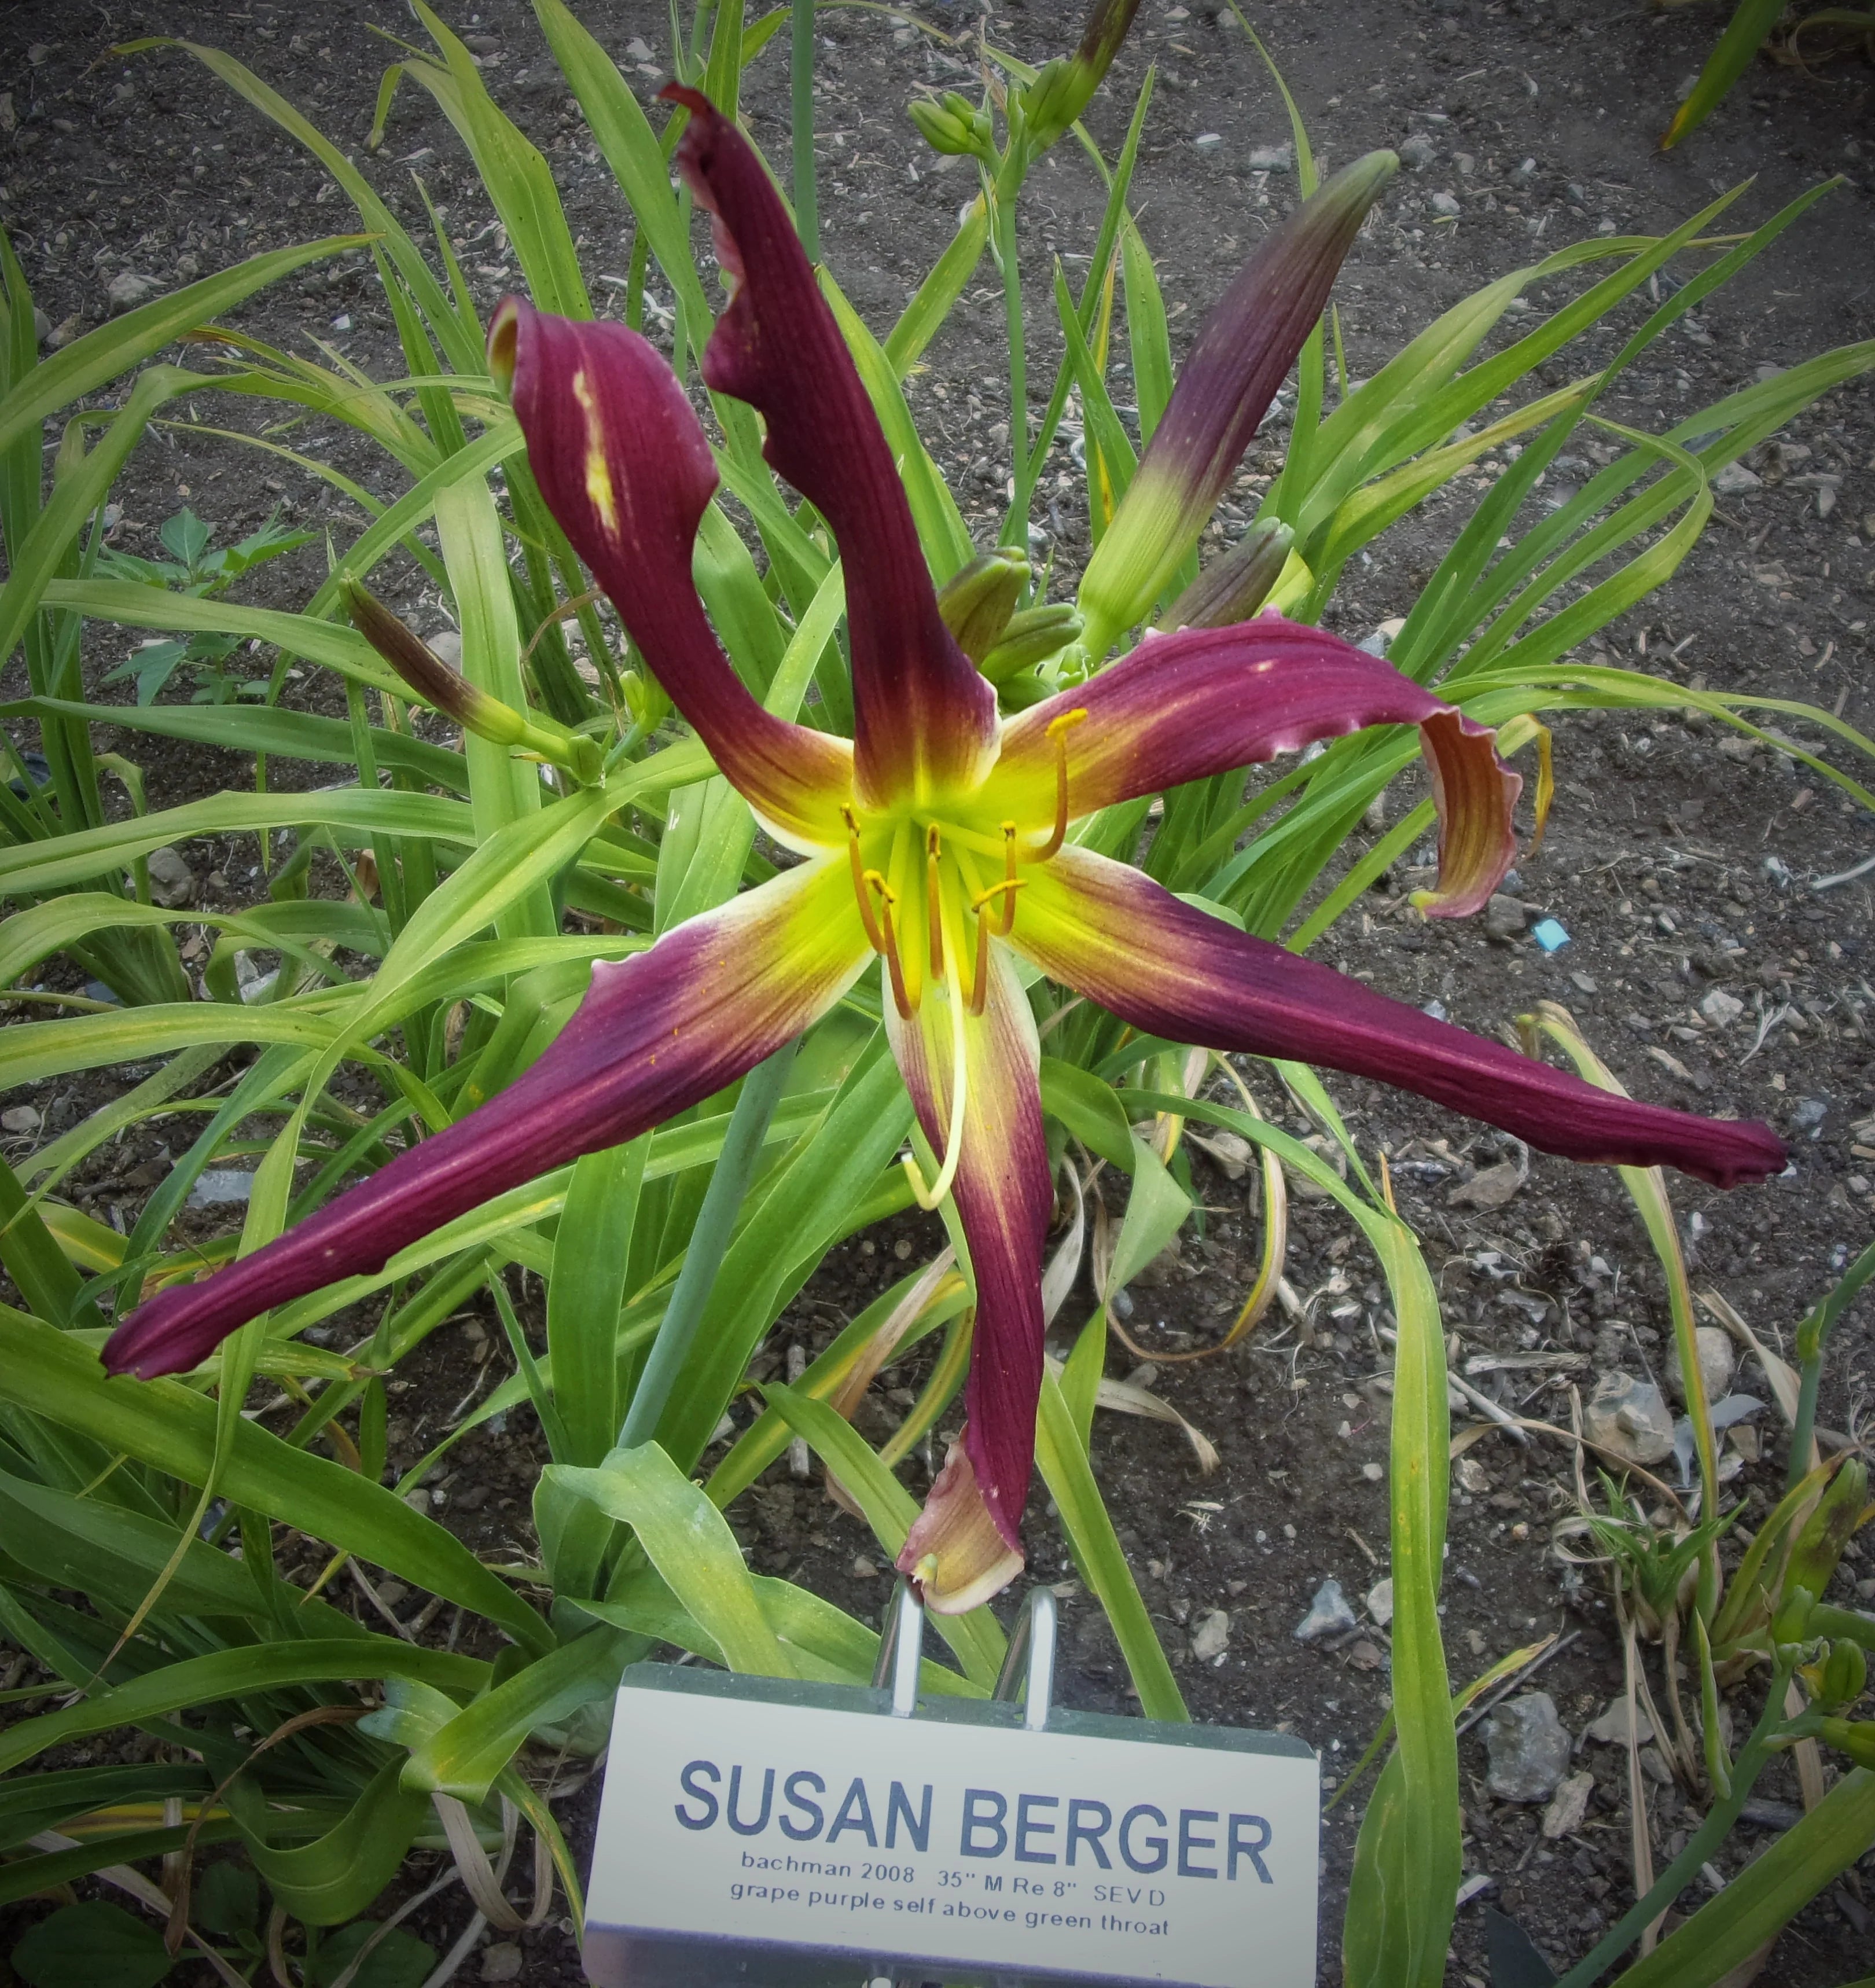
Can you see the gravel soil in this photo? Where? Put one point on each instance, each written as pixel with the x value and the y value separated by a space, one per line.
pixel 1703 960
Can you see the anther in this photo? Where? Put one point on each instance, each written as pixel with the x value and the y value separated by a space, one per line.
pixel 932 906
pixel 1009 877
pixel 888 942
pixel 1006 889
pixel 874 938
pixel 1058 730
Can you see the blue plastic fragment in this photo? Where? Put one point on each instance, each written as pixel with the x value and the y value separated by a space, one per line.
pixel 1548 935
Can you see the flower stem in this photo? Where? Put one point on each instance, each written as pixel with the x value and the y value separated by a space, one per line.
pixel 709 1242
pixel 1008 185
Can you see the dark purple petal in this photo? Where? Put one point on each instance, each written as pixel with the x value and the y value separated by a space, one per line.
pixel 1175 972
pixel 655 1033
pixel 1004 1195
pixel 923 716
pixel 1203 701
pixel 621 460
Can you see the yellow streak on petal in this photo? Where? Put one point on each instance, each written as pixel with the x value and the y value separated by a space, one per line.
pixel 598 474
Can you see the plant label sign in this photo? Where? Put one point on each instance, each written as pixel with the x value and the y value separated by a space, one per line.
pixel 757 1831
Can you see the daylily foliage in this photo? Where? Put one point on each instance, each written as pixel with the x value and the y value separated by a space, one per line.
pixel 937 845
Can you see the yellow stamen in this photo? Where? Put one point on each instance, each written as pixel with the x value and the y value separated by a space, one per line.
pixel 930 1198
pixel 1058 730
pixel 888 942
pixel 1008 876
pixel 1006 889
pixel 933 915
pixel 874 936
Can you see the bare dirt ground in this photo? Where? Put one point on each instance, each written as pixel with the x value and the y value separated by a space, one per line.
pixel 1679 862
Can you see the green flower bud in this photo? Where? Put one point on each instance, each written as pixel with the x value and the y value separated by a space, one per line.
pixel 977 601
pixel 946 128
pixel 1856 1738
pixel 1792 1620
pixel 1019 692
pixel 1819 1545
pixel 1846 1673
pixel 1032 637
pixel 1233 588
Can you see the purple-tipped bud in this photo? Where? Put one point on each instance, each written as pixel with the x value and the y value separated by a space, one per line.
pixel 1067 85
pixel 426 673
pixel 1245 350
pixel 1231 589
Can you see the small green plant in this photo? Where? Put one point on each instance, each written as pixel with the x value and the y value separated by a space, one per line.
pixel 194 570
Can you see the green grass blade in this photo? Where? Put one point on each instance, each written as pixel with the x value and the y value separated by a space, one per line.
pixel 1745 35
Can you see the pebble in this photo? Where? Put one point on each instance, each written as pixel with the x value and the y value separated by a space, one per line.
pixel 1630 1418
pixel 1719 1008
pixel 1272 158
pixel 1417 152
pixel 1373 1473
pixel 1568 1805
pixel 639 50
pixel 1329 1614
pixel 222 1187
pixel 1505 918
pixel 1611 1728
pixel 1211 1637
pixel 503 1961
pixel 1445 204
pixel 172 882
pixel 446 644
pixel 1471 1476
pixel 1529 1749
pixel 21 1118
pixel 1491 1189
pixel 1734 480
pixel 1380 1600
pixel 128 290
pixel 1718 1363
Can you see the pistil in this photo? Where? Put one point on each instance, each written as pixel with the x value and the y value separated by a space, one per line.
pixel 1008 878
pixel 934 916
pixel 1006 889
pixel 1057 731
pixel 874 936
pixel 929 1198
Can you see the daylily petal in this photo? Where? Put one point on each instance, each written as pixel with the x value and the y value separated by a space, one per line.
pixel 655 1033
pixel 953 1553
pixel 621 459
pixel 1004 1194
pixel 1247 346
pixel 924 718
pixel 1175 972
pixel 1203 701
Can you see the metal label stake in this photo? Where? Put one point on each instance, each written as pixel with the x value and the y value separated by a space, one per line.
pixel 808 1835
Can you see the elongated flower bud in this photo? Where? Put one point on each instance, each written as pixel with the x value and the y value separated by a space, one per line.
pixel 1231 589
pixel 977 601
pixel 1032 637
pixel 1829 1528
pixel 1846 1672
pixel 427 675
pixel 1855 1737
pixel 1067 85
pixel 1246 348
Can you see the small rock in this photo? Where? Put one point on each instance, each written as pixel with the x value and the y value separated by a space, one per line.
pixel 1417 152
pixel 482 45
pixel 172 882
pixel 1718 1363
pixel 1232 1152
pixel 42 325
pixel 1505 918
pixel 1567 1806
pixel 504 1960
pixel 639 50
pixel 1212 1636
pixel 1364 1656
pixel 1329 1614
pixel 128 290
pixel 67 328
pixel 1654 1765
pixel 446 643
pixel 1445 204
pixel 1719 1008
pixel 1471 1476
pixel 222 1187
pixel 1272 158
pixel 863 1569
pixel 1734 480
pixel 1528 1747
pixel 1380 1600
pixel 1491 1189
pixel 1373 1473
pixel 21 1118
pixel 1629 1418
pixel 1611 1728
pixel 1207 141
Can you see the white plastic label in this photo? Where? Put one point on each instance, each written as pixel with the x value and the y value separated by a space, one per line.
pixel 776 1833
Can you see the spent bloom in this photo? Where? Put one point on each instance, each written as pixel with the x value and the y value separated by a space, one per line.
pixel 937 847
